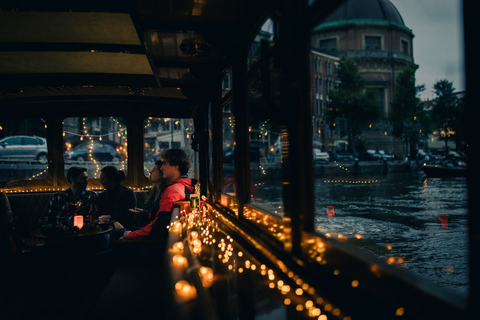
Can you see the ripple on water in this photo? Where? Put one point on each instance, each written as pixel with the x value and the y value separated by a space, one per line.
pixel 423 220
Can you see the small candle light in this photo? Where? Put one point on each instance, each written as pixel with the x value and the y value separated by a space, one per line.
pixel 178 247
pixel 78 221
pixel 193 235
pixel 185 291
pixel 197 250
pixel 177 227
pixel 197 246
pixel 330 211
pixel 180 261
pixel 206 276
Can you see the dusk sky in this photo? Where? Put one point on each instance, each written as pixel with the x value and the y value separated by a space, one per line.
pixel 438 42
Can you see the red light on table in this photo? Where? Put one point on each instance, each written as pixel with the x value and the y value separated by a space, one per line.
pixel 330 211
pixel 78 221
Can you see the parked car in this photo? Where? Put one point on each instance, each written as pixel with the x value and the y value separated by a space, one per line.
pixel 385 155
pixel 368 155
pixel 438 154
pixel 424 155
pixel 28 148
pixel 258 153
pixel 97 151
pixel 343 156
pixel 371 154
pixel 319 155
pixel 228 154
pixel 453 155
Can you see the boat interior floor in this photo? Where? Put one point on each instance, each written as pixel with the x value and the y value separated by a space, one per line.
pixel 46 284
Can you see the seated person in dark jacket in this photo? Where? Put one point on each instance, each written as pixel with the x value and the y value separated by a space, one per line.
pixel 142 216
pixel 7 230
pixel 115 201
pixel 76 200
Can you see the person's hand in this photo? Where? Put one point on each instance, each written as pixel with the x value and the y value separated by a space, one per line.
pixel 104 218
pixel 118 226
pixel 126 233
pixel 136 210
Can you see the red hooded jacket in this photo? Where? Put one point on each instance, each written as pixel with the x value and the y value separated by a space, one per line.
pixel 177 190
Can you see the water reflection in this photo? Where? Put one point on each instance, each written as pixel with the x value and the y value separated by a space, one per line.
pixel 416 223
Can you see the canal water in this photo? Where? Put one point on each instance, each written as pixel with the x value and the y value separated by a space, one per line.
pixel 416 223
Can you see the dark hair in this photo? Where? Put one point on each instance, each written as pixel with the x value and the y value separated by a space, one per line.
pixel 113 174
pixel 158 163
pixel 73 172
pixel 177 157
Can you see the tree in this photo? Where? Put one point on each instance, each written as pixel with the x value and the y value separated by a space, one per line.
pixel 407 116
pixel 352 101
pixel 447 111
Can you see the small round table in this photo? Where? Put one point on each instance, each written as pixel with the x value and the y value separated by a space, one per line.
pixel 38 233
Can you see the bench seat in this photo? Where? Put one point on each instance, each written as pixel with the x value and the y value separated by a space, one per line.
pixel 29 208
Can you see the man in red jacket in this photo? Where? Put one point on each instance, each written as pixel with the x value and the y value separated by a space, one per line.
pixel 179 187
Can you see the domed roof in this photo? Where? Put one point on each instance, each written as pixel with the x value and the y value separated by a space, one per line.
pixel 366 10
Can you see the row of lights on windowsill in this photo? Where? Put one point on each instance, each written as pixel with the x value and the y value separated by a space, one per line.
pixel 317 250
pixel 207 227
pixel 367 181
pixel 295 290
pixel 51 189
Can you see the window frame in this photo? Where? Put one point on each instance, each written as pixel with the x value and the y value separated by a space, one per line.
pixel 407 42
pixel 373 36
pixel 346 257
pixel 327 39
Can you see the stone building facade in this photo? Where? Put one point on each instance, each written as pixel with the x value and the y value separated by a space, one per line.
pixel 373 33
pixel 323 80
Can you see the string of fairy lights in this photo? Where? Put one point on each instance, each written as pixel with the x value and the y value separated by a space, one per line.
pixel 91 138
pixel 198 231
pixel 119 131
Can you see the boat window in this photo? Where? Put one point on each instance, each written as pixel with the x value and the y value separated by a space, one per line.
pixel 166 133
pixel 95 142
pixel 266 34
pixel 210 147
pixel 228 128
pixel 265 129
pixel 389 164
pixel 227 82
pixel 23 150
